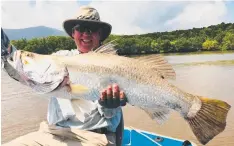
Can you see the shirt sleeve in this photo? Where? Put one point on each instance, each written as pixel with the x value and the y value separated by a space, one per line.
pixel 112 115
pixel 59 110
pixel 108 113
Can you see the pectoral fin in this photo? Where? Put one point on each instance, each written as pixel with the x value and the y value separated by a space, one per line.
pixel 159 114
pixel 78 89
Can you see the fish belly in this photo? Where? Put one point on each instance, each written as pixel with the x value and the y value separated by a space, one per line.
pixel 145 96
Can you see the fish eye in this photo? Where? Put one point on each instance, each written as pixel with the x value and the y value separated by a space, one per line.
pixel 29 55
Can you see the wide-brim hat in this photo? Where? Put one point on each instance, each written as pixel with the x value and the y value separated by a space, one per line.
pixel 87 16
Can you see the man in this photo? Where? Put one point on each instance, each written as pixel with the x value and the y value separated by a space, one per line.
pixel 103 116
pixel 88 33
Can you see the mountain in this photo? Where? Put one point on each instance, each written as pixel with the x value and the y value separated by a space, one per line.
pixel 33 32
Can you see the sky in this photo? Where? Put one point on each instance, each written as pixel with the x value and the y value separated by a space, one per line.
pixel 126 17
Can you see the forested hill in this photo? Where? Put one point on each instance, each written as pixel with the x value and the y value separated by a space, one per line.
pixel 212 38
pixel 32 32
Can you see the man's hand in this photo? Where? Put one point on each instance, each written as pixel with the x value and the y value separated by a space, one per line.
pixel 112 97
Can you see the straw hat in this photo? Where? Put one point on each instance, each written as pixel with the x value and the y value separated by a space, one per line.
pixel 88 16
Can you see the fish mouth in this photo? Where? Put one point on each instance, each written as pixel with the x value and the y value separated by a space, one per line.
pixel 14 67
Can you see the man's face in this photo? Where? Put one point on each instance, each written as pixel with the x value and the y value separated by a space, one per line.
pixel 86 39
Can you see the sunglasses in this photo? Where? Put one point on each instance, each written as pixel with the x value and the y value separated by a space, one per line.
pixel 85 28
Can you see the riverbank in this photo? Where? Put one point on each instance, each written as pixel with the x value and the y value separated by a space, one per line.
pixel 200 53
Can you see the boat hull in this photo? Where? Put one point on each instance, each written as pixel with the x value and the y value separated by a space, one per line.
pixel 135 137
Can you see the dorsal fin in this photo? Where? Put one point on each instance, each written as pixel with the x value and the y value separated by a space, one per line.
pixel 108 48
pixel 160 64
pixel 155 61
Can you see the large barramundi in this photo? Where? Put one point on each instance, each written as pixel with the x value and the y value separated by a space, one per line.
pixel 144 81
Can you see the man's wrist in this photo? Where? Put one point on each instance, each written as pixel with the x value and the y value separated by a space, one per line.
pixel 107 112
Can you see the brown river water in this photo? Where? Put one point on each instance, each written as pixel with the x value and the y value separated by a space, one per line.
pixel 205 75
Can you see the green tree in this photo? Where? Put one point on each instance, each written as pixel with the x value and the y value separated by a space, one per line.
pixel 155 46
pixel 210 45
pixel 214 37
pixel 228 42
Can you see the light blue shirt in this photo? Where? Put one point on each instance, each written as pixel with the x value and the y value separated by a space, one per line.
pixel 82 114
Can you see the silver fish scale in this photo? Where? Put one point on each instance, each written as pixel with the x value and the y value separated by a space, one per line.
pixel 145 96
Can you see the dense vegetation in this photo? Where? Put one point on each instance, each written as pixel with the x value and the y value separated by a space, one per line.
pixel 216 37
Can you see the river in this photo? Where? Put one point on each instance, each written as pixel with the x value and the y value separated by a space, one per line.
pixel 209 75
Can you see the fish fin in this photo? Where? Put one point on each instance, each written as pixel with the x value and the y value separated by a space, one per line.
pixel 78 89
pixel 159 114
pixel 159 63
pixel 210 120
pixel 108 48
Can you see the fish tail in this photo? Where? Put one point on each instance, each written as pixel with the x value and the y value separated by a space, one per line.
pixel 210 119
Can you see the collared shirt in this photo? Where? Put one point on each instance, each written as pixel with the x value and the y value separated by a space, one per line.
pixel 83 114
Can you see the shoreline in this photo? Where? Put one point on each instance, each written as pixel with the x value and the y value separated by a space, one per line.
pixel 183 53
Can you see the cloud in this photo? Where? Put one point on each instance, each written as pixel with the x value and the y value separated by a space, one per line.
pixel 21 14
pixel 199 15
pixel 153 16
pixel 126 17
pixel 136 17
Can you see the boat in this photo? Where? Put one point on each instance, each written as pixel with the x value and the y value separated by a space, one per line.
pixel 136 137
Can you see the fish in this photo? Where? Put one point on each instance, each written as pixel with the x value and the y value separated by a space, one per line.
pixel 145 82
